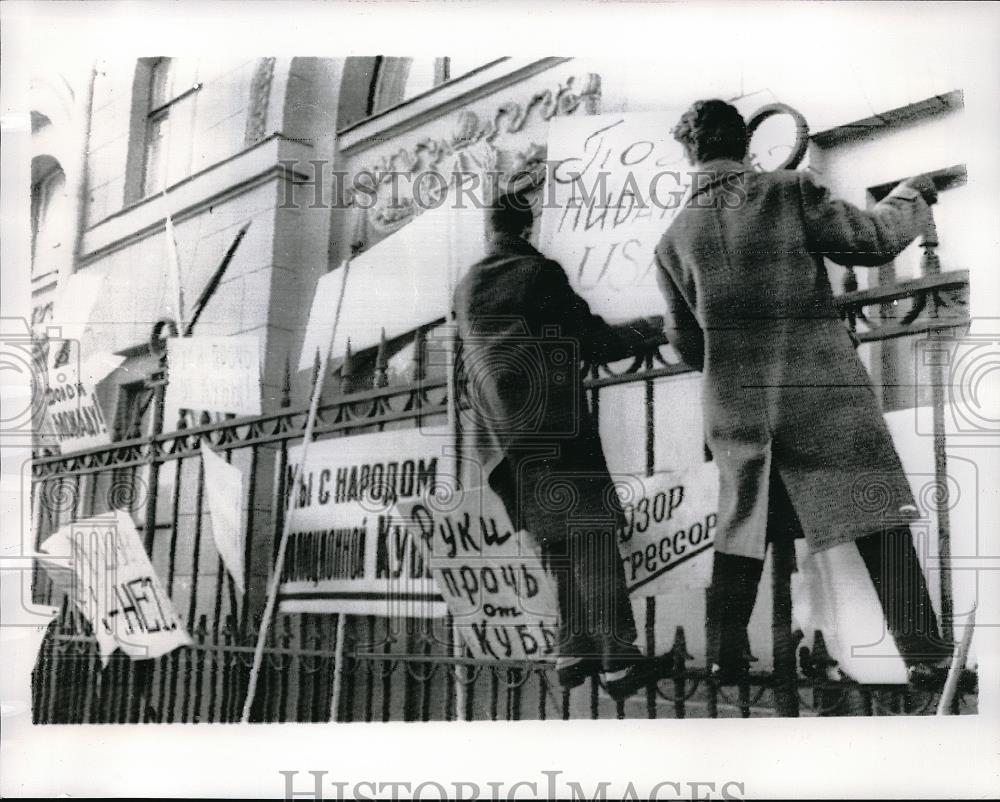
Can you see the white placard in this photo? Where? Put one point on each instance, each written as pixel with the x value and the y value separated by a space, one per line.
pixel 224 491
pixel 616 183
pixel 74 417
pixel 348 552
pixel 500 597
pixel 406 280
pixel 670 520
pixel 214 374
pixel 116 588
pixel 319 326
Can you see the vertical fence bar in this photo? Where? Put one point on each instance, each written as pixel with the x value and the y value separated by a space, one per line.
pixel 786 695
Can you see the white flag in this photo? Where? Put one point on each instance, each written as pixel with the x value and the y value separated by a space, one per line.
pixel 224 488
pixel 175 285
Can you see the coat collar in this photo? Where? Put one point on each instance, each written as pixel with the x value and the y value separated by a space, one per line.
pixel 509 245
pixel 708 174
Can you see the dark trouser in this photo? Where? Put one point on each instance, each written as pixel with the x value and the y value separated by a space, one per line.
pixel 595 616
pixel 892 565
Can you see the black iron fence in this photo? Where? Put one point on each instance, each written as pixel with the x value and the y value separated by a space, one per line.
pixel 396 669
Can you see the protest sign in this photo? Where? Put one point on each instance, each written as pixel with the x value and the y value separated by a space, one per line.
pixel 670 520
pixel 616 182
pixel 347 551
pixel 224 491
pixel 74 417
pixel 406 280
pixel 115 588
pixel 214 374
pixel 500 597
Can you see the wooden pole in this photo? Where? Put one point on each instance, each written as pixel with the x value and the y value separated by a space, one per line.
pixel 338 667
pixel 958 659
pixel 272 594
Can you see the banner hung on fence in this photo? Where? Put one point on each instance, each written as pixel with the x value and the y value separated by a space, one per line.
pixel 670 521
pixel 502 600
pixel 114 586
pixel 348 551
pixel 74 418
pixel 224 491
pixel 213 374
pixel 616 183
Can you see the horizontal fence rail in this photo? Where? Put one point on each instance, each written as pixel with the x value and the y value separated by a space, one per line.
pixel 394 669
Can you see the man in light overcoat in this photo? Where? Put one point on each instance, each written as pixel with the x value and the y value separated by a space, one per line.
pixel 790 414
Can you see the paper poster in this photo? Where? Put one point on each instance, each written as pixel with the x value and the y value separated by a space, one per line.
pixel 615 184
pixel 670 521
pixel 501 599
pixel 115 587
pixel 407 279
pixel 224 492
pixel 348 551
pixel 213 374
pixel 74 417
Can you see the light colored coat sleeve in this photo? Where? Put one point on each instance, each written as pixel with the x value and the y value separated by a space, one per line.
pixel 851 236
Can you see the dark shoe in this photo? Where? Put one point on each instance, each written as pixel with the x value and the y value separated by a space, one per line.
pixel 642 672
pixel 931 677
pixel 576 673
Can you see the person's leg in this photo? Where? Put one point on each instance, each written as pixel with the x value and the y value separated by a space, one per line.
pixel 899 582
pixel 598 579
pixel 730 601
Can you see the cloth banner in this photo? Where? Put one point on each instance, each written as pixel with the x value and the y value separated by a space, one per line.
pixel 115 587
pixel 500 596
pixel 224 491
pixel 348 552
pixel 213 374
pixel 616 183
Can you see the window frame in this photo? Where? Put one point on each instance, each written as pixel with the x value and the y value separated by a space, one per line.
pixel 159 115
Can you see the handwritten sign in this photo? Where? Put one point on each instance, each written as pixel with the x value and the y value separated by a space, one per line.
pixel 74 418
pixel 500 597
pixel 666 543
pixel 616 182
pixel 347 550
pixel 115 587
pixel 214 374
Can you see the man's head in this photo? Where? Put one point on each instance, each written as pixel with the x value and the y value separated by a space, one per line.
pixel 510 215
pixel 712 129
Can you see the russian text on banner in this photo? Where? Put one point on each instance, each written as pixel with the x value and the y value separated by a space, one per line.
pixel 115 587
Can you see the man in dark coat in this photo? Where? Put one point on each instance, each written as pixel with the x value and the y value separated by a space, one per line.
pixel 524 333
pixel 790 414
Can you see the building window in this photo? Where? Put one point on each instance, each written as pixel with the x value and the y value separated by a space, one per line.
pixel 157 122
pixel 400 79
pixel 49 223
pixel 162 125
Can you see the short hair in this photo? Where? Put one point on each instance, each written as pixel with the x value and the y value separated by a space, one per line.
pixel 510 214
pixel 712 129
